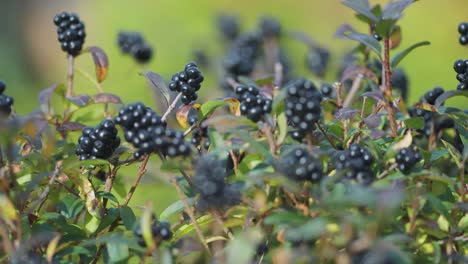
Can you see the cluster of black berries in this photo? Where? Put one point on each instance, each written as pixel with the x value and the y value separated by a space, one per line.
pixel 431 96
pixel 199 134
pixel 461 68
pixel 303 107
pixel 228 26
pixel 134 44
pixel 71 32
pixel 98 142
pixel 317 60
pixel 253 104
pixel 145 130
pixel 269 27
pixel 240 59
pixel 187 82
pixel 298 164
pixel 210 183
pixel 160 230
pixel 406 158
pixel 463 30
pixel 327 90
pixel 5 101
pixel 355 163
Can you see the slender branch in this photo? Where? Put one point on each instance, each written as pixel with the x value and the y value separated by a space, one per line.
pixel 109 182
pixel 89 78
pixel 171 107
pixel 190 129
pixel 70 76
pixel 267 130
pixel 218 219
pixel 354 88
pixel 326 135
pixel 462 181
pixel 46 191
pixel 140 173
pixel 387 171
pixel 278 77
pixel 233 83
pixel 190 213
pixel 388 87
pixel 339 100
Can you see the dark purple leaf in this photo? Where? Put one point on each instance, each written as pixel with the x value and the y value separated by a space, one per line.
pixel 159 88
pixel 352 72
pixel 443 97
pixel 368 41
pixel 107 98
pixel 79 100
pixel 373 121
pixel 362 7
pixel 394 9
pixel 345 113
pixel 378 96
pixel 376 134
pixel 70 126
pixel 101 62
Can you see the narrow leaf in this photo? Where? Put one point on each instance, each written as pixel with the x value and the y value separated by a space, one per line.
pixel 107 98
pixel 400 56
pixel 394 9
pixel 79 100
pixel 443 97
pixel 367 41
pixel 70 126
pixel 101 62
pixel 159 88
pixel 209 107
pixel 361 7
pixel 176 207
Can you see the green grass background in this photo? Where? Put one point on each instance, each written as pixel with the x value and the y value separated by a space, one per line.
pixel 175 28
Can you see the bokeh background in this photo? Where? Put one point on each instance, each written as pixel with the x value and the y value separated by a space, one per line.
pixel 31 59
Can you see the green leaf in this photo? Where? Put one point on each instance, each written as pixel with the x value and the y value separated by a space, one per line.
pixel 176 207
pixel 128 217
pixel 117 251
pixel 438 206
pixel 70 206
pixel 367 41
pixel 310 230
pixel 361 7
pixel 209 107
pixel 283 128
pixel 400 56
pixel 86 163
pixel 394 9
pixel 107 195
pixel 437 154
pixel 443 97
pixel 187 228
pixel 285 218
pixel 414 122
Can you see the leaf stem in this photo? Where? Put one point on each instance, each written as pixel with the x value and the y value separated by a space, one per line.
pixel 354 88
pixel 171 107
pixel 387 80
pixel 140 173
pixel 40 201
pixel 70 74
pixel 326 135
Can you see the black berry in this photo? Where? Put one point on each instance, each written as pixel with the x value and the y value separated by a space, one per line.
pixel 71 32
pixel 270 27
pixel 327 90
pixel 253 104
pixel 210 183
pixel 463 30
pixel 160 230
pixel 134 44
pixel 6 102
pixel 187 82
pixel 228 26
pixel 98 142
pixel 297 163
pixel 431 96
pixel 317 61
pixel 461 68
pixel 240 59
pixel 355 163
pixel 303 106
pixel 407 158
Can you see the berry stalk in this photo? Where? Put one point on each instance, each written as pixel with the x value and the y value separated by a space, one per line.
pixel 171 107
pixel 387 74
pixel 70 74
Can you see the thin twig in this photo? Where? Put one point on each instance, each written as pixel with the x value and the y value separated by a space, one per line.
pixel 218 219
pixel 271 141
pixel 278 77
pixel 339 100
pixel 190 213
pixel 352 92
pixel 233 83
pixel 388 86
pixel 46 191
pixel 190 129
pixel 140 173
pixel 171 107
pixel 70 76
pixel 387 171
pixel 109 182
pixel 326 135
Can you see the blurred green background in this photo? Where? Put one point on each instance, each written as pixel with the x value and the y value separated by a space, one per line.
pixel 31 59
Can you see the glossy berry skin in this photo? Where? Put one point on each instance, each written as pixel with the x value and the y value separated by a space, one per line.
pixel 431 96
pixel 407 158
pixel 461 68
pixel 298 164
pixel 253 104
pixel 160 230
pixel 134 44
pixel 71 32
pixel 6 102
pixel 355 163
pixel 146 131
pixel 463 30
pixel 303 106
pixel 98 142
pixel 327 90
pixel 270 27
pixel 228 27
pixel 317 61
pixel 240 59
pixel 187 82
pixel 210 184
pixel 199 134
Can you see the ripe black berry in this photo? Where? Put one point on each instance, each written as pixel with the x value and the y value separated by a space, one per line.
pixel 210 183
pixel 199 134
pixel 253 104
pixel 228 26
pixel 303 106
pixel 71 32
pixel 431 96
pixel 187 82
pixel 98 142
pixel 297 163
pixel 317 61
pixel 270 27
pixel 327 90
pixel 145 130
pixel 355 163
pixel 6 102
pixel 240 59
pixel 463 30
pixel 407 158
pixel 160 230
pixel 134 44
pixel 461 68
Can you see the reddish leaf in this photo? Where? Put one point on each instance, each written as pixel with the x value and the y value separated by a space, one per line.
pixel 107 98
pixel 183 114
pixel 378 96
pixel 376 134
pixel 79 100
pixel 159 88
pixel 372 121
pixel 70 126
pixel 395 38
pixel 425 106
pixel 101 62
pixel 234 106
